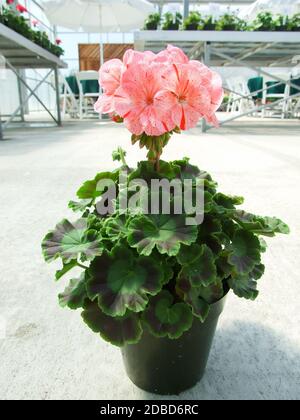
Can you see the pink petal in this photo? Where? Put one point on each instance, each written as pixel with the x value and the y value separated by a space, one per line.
pixel 104 104
pixel 110 75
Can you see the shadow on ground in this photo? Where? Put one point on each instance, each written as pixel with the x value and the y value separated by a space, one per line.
pixel 248 361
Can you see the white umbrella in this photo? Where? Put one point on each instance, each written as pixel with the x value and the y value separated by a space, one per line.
pixel 98 15
pixel 284 7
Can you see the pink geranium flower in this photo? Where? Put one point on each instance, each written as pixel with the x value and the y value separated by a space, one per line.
pixel 155 93
pixel 138 100
pixel 109 79
pixel 188 95
pixel 172 55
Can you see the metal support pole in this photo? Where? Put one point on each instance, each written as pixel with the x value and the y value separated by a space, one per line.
pixel 186 8
pixel 1 132
pixel 56 75
pixel 21 96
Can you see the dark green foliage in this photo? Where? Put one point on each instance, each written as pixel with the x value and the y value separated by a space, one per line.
pixel 155 271
pixel 172 21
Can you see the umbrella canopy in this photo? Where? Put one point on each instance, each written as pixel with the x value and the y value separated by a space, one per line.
pixel 98 15
pixel 283 7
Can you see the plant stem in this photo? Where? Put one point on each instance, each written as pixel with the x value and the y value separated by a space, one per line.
pixel 82 266
pixel 157 163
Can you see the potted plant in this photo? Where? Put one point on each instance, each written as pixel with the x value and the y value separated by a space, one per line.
pixel 230 22
pixel 294 23
pixel 281 23
pixel 154 279
pixel 208 24
pixel 152 22
pixel 264 22
pixel 172 22
pixel 191 23
pixel 18 23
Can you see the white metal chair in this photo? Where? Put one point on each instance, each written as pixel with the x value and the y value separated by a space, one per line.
pixel 240 99
pixel 283 107
pixel 86 99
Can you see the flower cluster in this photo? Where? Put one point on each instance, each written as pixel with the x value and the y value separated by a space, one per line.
pixel 157 93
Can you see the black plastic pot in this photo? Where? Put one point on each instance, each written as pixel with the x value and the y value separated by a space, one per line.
pixel 168 367
pixel 151 26
pixel 191 27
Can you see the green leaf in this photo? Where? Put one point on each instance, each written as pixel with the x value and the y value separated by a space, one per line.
pixel 115 227
pixel 75 294
pixel 66 268
pixel 117 331
pixel 165 319
pixel 69 240
pixel 223 267
pixel 258 271
pixel 187 171
pixel 198 265
pixel 244 286
pixel 146 171
pixel 227 202
pixel 165 232
pixel 245 253
pixel 200 298
pixel 80 206
pixel 89 189
pixel 267 226
pixel 122 281
pixel 119 154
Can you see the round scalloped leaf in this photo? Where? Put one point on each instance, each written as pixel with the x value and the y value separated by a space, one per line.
pixel 258 271
pixel 165 319
pixel 187 171
pixel 146 171
pixel 267 226
pixel 115 227
pixel 80 206
pixel 200 298
pixel 227 202
pixel 244 286
pixel 89 189
pixel 75 294
pixel 69 240
pixel 198 265
pixel 122 281
pixel 245 253
pixel 165 232
pixel 117 331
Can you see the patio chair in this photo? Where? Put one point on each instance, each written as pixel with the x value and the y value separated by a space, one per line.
pixel 69 104
pixel 240 99
pixel 86 99
pixel 284 106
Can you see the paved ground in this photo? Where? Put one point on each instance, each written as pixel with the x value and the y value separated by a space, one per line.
pixel 48 353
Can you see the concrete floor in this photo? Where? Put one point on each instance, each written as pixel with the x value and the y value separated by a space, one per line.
pixel 48 353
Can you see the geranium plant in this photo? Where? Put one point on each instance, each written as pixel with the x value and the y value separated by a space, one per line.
pixel 144 268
